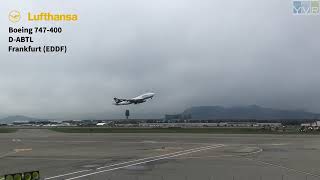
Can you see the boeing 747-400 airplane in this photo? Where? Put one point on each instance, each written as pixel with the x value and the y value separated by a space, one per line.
pixel 137 100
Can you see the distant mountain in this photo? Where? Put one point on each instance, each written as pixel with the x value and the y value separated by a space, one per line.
pixel 246 112
pixel 11 119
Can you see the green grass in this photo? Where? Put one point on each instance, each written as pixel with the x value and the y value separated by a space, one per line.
pixel 7 130
pixel 168 130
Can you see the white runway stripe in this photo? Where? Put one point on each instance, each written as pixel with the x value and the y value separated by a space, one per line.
pixel 137 161
pixel 144 162
pixel 67 174
pixel 112 165
pixel 284 167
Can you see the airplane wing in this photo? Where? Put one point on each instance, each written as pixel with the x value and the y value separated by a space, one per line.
pixel 132 100
pixel 117 100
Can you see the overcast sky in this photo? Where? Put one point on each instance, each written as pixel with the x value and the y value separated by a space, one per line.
pixel 189 52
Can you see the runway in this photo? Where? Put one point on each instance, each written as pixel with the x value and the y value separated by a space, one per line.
pixel 160 156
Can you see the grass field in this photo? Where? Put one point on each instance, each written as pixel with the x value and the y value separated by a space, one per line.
pixel 170 130
pixel 7 130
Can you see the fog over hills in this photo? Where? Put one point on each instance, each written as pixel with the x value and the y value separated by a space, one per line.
pixel 247 112
pixel 217 112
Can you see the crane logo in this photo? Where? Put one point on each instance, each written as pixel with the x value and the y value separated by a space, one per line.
pixel 14 16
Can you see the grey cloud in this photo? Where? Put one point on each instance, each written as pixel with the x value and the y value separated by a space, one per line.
pixel 188 52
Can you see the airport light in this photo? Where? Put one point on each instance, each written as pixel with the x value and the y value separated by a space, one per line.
pixel 17 177
pixel 9 177
pixel 27 176
pixel 33 175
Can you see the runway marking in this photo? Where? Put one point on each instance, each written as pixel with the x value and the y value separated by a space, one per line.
pixel 144 162
pixel 6 154
pixel 279 144
pixel 149 142
pixel 153 157
pixel 14 152
pixel 68 174
pixel 257 144
pixel 164 156
pixel 21 150
pixel 54 159
pixel 267 163
pixel 230 155
pixel 284 167
pixel 263 162
pixel 62 141
pixel 117 164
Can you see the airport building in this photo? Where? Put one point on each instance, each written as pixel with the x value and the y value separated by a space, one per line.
pixel 313 124
pixel 220 124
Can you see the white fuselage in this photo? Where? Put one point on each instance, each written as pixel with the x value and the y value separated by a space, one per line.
pixel 144 96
